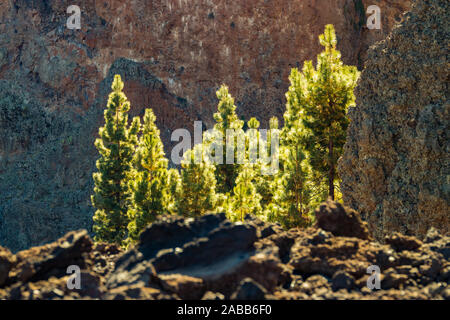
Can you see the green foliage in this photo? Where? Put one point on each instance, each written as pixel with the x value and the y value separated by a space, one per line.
pixel 245 198
pixel 112 193
pixel 196 193
pixel 318 99
pixel 292 193
pixel 227 119
pixel 173 186
pixel 150 183
pixel 263 178
pixel 292 185
pixel 134 186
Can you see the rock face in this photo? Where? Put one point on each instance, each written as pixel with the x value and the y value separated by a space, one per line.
pixel 395 167
pixel 212 258
pixel 173 55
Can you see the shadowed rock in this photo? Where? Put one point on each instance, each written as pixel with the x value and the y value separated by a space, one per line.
pixel 6 263
pixel 341 221
pixel 342 280
pixel 213 258
pixel 249 290
pixel 401 242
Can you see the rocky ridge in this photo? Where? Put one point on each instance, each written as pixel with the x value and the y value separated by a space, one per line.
pixel 212 258
pixel 395 167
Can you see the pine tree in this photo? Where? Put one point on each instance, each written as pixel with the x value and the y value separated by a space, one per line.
pixel 292 193
pixel 197 191
pixel 319 98
pixel 150 186
pixel 227 119
pixel 264 172
pixel 246 199
pixel 116 144
pixel 263 176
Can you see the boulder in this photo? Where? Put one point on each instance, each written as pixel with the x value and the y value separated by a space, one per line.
pixel 342 280
pixel 6 263
pixel 249 290
pixel 341 221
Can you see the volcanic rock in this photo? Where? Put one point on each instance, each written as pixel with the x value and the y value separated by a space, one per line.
pixel 212 258
pixel 342 280
pixel 340 221
pixel 395 165
pixel 6 263
pixel 249 290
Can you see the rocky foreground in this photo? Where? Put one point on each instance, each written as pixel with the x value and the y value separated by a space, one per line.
pixel 212 258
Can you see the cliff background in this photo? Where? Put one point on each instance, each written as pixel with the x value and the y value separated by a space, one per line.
pixel 173 55
pixel 395 168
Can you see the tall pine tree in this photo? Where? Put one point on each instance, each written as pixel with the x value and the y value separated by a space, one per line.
pixel 319 98
pixel 116 144
pixel 150 186
pixel 227 119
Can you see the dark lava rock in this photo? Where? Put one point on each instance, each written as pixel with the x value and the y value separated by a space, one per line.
pixel 249 290
pixel 402 242
pixel 6 263
pixel 214 259
pixel 342 280
pixel 53 259
pixel 213 296
pixel 341 221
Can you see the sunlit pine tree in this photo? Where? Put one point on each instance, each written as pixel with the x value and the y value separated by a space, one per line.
pixel 196 193
pixel 227 119
pixel 319 98
pixel 150 186
pixel 112 194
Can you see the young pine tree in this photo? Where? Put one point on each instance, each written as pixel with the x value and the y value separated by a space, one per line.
pixel 197 191
pixel 259 148
pixel 150 186
pixel 292 187
pixel 319 98
pixel 174 185
pixel 116 144
pixel 227 119
pixel 246 199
